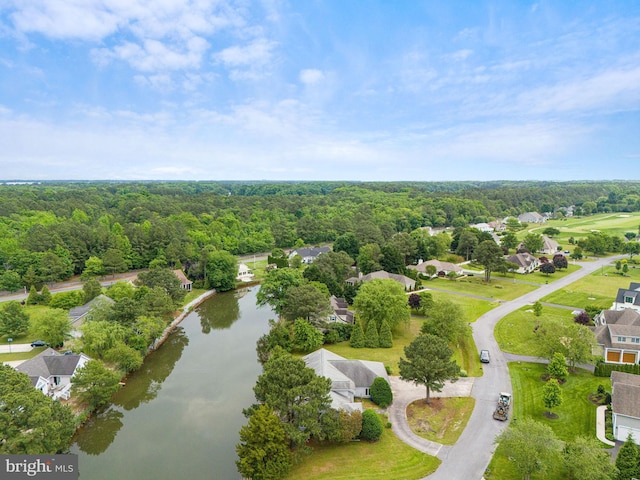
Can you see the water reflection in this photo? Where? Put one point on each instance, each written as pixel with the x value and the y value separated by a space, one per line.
pixel 221 314
pixel 98 433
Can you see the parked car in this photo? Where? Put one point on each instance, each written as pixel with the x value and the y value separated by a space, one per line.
pixel 484 356
pixel 38 343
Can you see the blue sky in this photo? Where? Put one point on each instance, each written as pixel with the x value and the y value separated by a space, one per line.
pixel 319 90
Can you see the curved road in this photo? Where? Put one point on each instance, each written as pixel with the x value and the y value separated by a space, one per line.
pixel 470 456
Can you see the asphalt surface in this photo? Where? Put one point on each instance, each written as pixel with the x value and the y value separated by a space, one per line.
pixel 470 456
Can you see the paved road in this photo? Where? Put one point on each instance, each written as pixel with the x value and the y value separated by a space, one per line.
pixel 470 456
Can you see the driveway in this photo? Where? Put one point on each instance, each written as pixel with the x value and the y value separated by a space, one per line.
pixel 470 456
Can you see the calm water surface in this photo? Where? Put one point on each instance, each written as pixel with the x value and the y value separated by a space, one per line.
pixel 179 415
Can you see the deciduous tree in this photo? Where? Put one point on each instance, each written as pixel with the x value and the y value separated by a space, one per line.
pixel 489 255
pixel 306 337
pixel 382 299
pixel 14 321
pixel 557 367
pixel 446 320
pixel 428 363
pixel 306 301
pixel 551 394
pixel 94 383
pixel 531 446
pixel 52 325
pixel 275 285
pixel 585 459
pixel 222 270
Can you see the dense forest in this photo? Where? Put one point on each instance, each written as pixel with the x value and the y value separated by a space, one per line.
pixel 50 231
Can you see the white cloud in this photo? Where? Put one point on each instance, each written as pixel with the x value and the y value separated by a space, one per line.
pixel 310 76
pixel 255 54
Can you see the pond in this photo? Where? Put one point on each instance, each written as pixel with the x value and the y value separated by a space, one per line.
pixel 180 414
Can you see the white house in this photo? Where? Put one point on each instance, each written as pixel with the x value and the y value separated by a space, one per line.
pixel 549 245
pixel 51 372
pixel 308 254
pixel 349 378
pixel 625 407
pixel 628 298
pixel 526 262
pixel 244 273
pixel 408 283
pixel 442 268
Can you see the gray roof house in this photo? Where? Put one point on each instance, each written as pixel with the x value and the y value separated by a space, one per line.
pixel 442 268
pixel 526 262
pixel 408 283
pixel 349 378
pixel 77 314
pixel 625 407
pixel 549 245
pixel 618 335
pixel 51 372
pixel 628 298
pixel 340 310
pixel 531 217
pixel 308 254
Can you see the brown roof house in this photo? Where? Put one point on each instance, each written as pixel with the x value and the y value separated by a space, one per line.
pixel 408 283
pixel 526 262
pixel 51 372
pixel 185 283
pixel 625 405
pixel 618 335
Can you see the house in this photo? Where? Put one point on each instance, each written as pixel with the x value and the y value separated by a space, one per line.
pixel 308 254
pixel 51 372
pixel 497 226
pixel 526 262
pixel 340 310
pixel 442 268
pixel 483 227
pixel 628 298
pixel 77 314
pixel 625 407
pixel 244 273
pixel 618 335
pixel 349 378
pixel 531 217
pixel 408 283
pixel 185 283
pixel 549 245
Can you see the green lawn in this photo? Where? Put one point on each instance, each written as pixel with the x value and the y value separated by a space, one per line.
pixel 599 288
pixel 578 227
pixel 466 355
pixel 388 459
pixel 499 288
pixel 576 416
pixel 8 357
pixel 442 421
pixel 473 308
pixel 515 332
pixel 389 356
pixel 29 336
pixel 193 294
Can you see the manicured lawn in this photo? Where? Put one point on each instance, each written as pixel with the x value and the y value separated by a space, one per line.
pixel 388 459
pixel 515 332
pixel 442 421
pixel 576 415
pixel 578 227
pixel 193 294
pixel 8 357
pixel 599 288
pixel 466 355
pixel 389 356
pixel 499 288
pixel 30 336
pixel 473 308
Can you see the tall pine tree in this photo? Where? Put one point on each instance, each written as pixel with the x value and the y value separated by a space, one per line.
pixel 385 337
pixel 371 335
pixel 357 335
pixel 627 460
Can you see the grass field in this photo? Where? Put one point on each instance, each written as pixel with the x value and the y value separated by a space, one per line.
pixel 498 289
pixel 609 223
pixel 473 308
pixel 442 421
pixel 388 459
pixel 576 415
pixel 599 288
pixel 515 332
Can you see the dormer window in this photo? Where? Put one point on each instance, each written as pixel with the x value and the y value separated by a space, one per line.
pixel 628 299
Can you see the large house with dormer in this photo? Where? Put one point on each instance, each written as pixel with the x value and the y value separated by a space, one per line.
pixel 51 372
pixel 350 379
pixel 628 298
pixel 625 407
pixel 618 335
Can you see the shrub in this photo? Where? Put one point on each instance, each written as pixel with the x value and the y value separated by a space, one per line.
pixel 357 336
pixel 371 339
pixel 371 426
pixel 381 393
pixel 385 337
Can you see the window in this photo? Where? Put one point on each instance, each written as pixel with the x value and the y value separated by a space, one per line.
pixel 628 299
pixel 622 339
pixel 635 339
pixel 366 392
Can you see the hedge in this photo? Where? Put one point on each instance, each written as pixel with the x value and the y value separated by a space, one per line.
pixel 604 369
